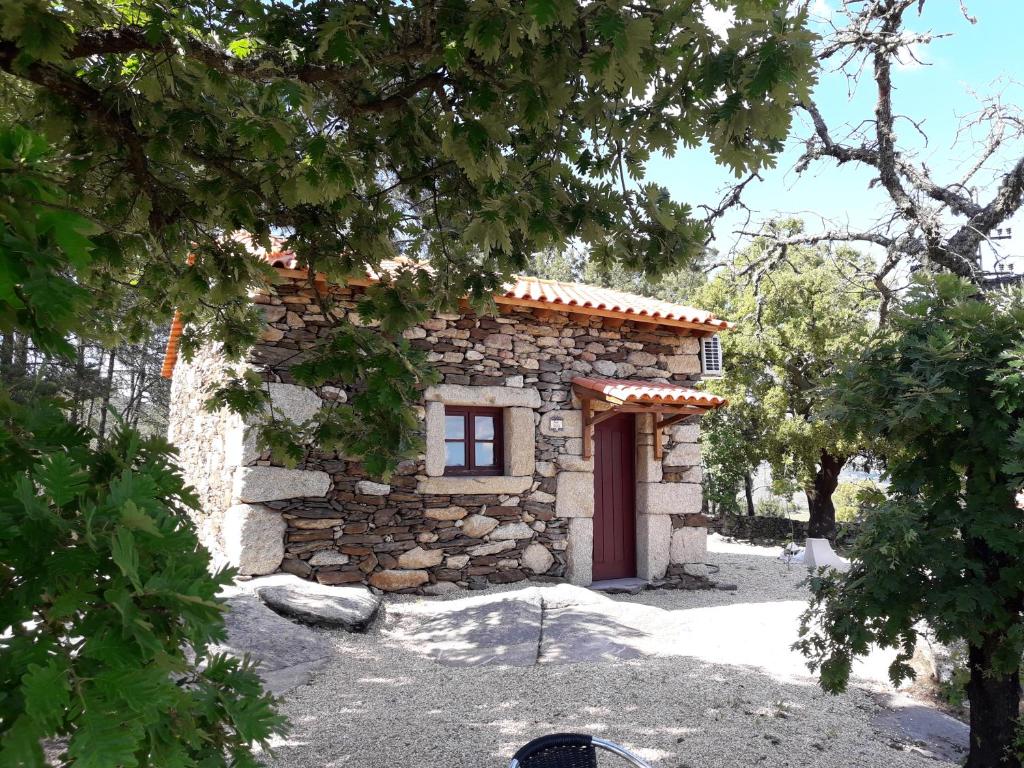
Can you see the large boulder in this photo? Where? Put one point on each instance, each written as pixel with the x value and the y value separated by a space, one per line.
pixel 351 608
pixel 288 654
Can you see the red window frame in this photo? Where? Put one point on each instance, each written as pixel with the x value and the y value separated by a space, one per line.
pixel 469 439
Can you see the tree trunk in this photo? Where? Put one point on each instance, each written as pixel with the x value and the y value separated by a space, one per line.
pixel 995 706
pixel 102 431
pixel 748 492
pixel 822 522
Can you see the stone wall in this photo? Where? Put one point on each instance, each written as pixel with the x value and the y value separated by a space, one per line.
pixel 203 440
pixel 757 528
pixel 423 528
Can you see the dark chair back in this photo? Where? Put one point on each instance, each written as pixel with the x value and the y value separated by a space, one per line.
pixel 558 750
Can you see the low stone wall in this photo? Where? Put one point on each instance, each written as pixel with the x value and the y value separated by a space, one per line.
pixel 758 528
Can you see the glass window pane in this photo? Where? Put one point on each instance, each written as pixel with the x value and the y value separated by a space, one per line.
pixel 483 429
pixel 455 454
pixel 483 454
pixel 454 427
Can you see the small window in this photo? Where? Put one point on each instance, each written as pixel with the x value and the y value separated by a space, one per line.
pixel 473 441
pixel 711 356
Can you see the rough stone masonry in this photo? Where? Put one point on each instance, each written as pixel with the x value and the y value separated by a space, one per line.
pixel 424 531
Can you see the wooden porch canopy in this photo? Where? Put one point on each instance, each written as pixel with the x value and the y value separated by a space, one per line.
pixel 669 403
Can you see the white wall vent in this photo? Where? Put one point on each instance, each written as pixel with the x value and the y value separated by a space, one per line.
pixel 711 356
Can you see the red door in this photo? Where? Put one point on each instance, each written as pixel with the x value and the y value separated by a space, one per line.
pixel 614 495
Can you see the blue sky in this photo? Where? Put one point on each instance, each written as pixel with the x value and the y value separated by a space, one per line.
pixel 939 93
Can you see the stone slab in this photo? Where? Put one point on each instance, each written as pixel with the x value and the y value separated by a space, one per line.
pixel 500 397
pixel 433 418
pixel 653 545
pixel 288 654
pixel 690 545
pixel 520 441
pixel 351 608
pixel 668 498
pixel 253 539
pixel 255 484
pixel 579 551
pixel 683 455
pixel 452 486
pixel 575 495
pixel 927 731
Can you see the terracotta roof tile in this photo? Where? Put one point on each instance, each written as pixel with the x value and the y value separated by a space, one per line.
pixel 634 391
pixel 578 295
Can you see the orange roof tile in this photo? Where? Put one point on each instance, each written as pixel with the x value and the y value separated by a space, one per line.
pixel 591 296
pixel 631 391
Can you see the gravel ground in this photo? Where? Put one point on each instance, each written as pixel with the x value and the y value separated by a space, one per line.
pixel 379 704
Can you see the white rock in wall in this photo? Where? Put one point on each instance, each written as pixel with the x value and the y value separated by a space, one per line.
pixel 420 558
pixel 537 558
pixel 477 526
pixel 370 488
pixel 253 538
pixel 512 531
pixel 493 548
pixel 328 557
pixel 456 562
pixel 253 484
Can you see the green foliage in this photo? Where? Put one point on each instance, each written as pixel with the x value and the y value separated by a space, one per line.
pixel 107 605
pixel 110 608
pixel 852 498
pixel 466 137
pixel 793 329
pixel 729 450
pixel 772 508
pixel 943 387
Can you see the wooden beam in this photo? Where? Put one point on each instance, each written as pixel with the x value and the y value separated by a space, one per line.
pixel 604 416
pixel 588 429
pixel 657 439
pixel 668 422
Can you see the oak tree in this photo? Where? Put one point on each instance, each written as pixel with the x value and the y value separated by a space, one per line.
pixel 942 388
pixel 795 325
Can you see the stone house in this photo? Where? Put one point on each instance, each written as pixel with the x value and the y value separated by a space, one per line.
pixel 561 444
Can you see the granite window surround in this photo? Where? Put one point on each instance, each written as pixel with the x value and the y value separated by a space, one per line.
pixel 517 407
